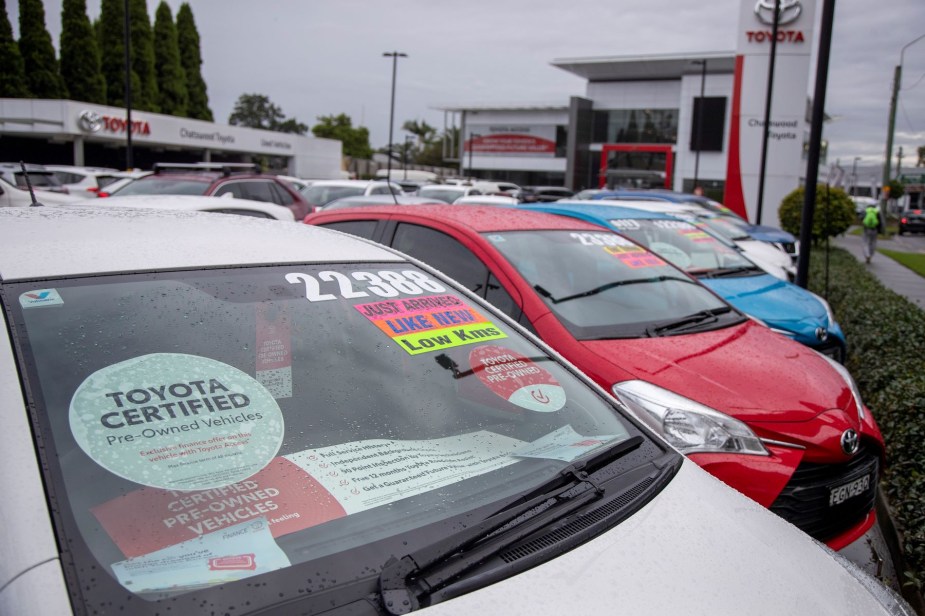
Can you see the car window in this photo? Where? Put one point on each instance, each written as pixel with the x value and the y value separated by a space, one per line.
pixel 321 194
pixel 258 190
pixel 240 436
pixel 235 189
pixel 43 179
pixel 380 190
pixel 161 185
pixel 67 177
pixel 602 285
pixel 443 193
pixel 451 257
pixel 360 228
pixel 281 195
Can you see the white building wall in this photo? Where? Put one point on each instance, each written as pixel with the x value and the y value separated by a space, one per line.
pixel 480 122
pixel 635 94
pixel 712 164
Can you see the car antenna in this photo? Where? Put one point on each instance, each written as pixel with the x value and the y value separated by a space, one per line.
pixel 35 203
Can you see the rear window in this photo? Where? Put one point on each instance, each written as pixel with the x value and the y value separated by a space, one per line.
pixel 242 438
pixel 164 186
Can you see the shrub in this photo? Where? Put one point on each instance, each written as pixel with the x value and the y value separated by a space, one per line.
pixel 834 212
pixel 884 332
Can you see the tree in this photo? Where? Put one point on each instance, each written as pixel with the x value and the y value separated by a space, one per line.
pixel 432 152
pixel 191 60
pixel 256 111
pixel 80 56
pixel 110 28
pixel 173 97
pixel 43 76
pixel 12 68
pixel 355 140
pixel 420 129
pixel 145 95
pixel 834 212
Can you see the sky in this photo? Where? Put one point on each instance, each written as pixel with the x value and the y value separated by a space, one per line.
pixel 324 57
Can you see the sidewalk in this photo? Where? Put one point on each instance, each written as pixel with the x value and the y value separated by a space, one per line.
pixel 894 276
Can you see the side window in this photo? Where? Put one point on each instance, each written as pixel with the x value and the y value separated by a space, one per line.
pixel 260 190
pixel 379 190
pixel 441 251
pixel 360 228
pixel 282 196
pixel 235 189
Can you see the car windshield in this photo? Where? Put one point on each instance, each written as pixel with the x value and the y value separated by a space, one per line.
pixel 322 195
pixel 723 228
pixel 443 193
pixel 246 437
pixel 691 248
pixel 164 186
pixel 601 285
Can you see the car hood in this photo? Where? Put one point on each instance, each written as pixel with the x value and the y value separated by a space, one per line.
pixel 779 304
pixel 746 371
pixel 698 546
pixel 769 234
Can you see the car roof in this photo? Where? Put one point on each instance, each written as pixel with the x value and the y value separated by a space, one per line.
pixel 349 182
pixel 190 203
pixel 47 242
pixel 478 218
pixel 595 212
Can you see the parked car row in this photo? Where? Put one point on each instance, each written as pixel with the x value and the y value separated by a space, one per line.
pixel 216 413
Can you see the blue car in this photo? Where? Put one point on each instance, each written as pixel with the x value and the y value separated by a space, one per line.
pixel 764 233
pixel 785 307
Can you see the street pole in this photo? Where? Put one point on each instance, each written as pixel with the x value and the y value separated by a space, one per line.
pixel 854 176
pixel 767 112
pixel 127 44
pixel 395 56
pixel 815 142
pixel 703 83
pixel 887 162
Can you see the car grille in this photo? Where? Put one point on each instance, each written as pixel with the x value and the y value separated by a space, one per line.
pixel 805 500
pixel 832 348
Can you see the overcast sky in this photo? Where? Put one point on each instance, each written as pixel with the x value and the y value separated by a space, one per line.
pixel 324 57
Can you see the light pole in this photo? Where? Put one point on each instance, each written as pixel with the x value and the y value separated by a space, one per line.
pixel 395 55
pixel 472 138
pixel 703 83
pixel 854 176
pixel 897 80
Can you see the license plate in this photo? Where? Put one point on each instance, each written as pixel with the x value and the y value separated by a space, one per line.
pixel 840 494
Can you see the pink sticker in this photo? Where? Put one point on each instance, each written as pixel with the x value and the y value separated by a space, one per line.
pixel 242 562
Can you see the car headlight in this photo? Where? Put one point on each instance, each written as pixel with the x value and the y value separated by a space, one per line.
pixel 828 310
pixel 850 382
pixel 689 426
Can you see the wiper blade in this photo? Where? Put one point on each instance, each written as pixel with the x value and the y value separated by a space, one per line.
pixel 698 318
pixel 731 271
pixel 405 582
pixel 606 287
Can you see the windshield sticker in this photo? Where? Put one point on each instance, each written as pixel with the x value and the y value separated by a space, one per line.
pixel 366 474
pixel 150 519
pixel 625 224
pixel 565 444
pixel 330 285
pixel 274 349
pixel 601 239
pixel 431 323
pixel 238 552
pixel 697 235
pixel 516 379
pixel 178 422
pixel 634 257
pixel 40 298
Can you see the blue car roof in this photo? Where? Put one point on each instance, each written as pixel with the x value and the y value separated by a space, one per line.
pixel 597 214
pixel 660 195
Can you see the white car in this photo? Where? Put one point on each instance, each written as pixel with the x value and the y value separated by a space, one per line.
pixel 487 200
pixel 12 196
pixel 85 182
pixel 214 414
pixel 192 203
pixel 766 256
pixel 321 192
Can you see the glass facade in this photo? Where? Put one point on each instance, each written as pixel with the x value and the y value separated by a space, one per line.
pixel 636 126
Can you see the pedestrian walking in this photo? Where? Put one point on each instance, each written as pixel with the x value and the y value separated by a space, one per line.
pixel 873 225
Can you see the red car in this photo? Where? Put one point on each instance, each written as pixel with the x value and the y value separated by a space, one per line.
pixel 243 181
pixel 772 418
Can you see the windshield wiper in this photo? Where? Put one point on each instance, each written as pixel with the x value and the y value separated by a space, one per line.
pixel 698 318
pixel 405 582
pixel 730 271
pixel 605 287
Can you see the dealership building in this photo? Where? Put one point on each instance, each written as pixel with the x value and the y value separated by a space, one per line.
pixel 73 133
pixel 674 121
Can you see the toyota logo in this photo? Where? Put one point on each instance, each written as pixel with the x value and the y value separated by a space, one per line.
pixel 850 441
pixel 90 121
pixel 822 334
pixel 790 11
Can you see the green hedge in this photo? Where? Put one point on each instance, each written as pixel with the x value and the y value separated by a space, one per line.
pixel 886 335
